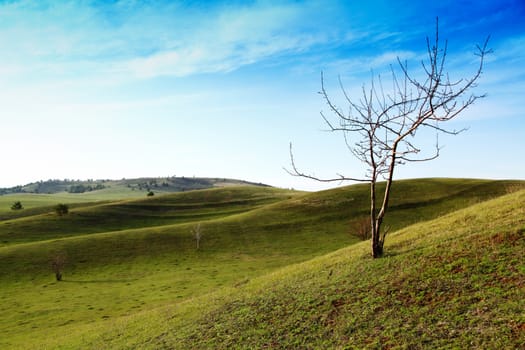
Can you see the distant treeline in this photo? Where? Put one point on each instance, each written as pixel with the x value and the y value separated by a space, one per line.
pixel 82 188
pixel 16 189
pixel 169 184
pixel 54 186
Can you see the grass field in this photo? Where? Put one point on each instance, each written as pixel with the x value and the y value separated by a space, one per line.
pixel 134 277
pixel 454 282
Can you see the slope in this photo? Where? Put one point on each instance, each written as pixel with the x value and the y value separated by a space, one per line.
pixel 87 218
pixel 454 282
pixel 120 273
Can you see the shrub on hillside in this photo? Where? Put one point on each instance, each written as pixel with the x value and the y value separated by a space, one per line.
pixel 17 206
pixel 362 228
pixel 61 209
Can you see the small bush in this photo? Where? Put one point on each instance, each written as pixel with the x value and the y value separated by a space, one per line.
pixel 61 209
pixel 362 228
pixel 17 206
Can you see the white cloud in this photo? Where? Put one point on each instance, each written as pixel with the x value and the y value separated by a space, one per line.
pixel 363 65
pixel 75 41
pixel 146 40
pixel 232 39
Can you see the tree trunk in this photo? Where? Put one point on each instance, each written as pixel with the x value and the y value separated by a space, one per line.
pixel 377 240
pixel 377 248
pixel 377 245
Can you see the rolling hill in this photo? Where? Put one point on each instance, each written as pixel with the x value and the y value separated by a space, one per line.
pixel 453 282
pixel 40 197
pixel 134 278
pixel 118 189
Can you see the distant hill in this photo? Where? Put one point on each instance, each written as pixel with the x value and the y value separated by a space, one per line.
pixel 145 184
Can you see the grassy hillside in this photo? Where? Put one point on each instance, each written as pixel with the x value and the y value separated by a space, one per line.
pixel 40 197
pixel 454 282
pixel 127 257
pixel 43 224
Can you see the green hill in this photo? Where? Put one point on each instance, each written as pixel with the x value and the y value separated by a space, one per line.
pixel 124 186
pixel 127 257
pixel 39 197
pixel 454 282
pixel 42 223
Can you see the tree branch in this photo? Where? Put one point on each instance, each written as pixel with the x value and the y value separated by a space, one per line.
pixel 296 172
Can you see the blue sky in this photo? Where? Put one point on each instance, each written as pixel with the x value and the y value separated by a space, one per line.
pixel 112 89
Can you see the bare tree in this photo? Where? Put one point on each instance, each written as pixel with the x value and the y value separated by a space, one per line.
pixel 197 234
pixel 380 128
pixel 58 262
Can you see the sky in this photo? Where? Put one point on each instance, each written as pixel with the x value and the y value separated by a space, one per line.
pixel 124 88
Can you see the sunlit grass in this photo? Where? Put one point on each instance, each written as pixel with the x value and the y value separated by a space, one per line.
pixel 151 262
pixel 455 282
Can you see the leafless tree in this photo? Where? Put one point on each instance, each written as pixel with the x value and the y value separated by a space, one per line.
pixel 380 127
pixel 58 262
pixel 197 234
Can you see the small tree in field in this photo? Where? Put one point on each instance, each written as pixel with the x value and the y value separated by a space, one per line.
pixel 17 206
pixel 58 262
pixel 196 231
pixel 61 209
pixel 380 128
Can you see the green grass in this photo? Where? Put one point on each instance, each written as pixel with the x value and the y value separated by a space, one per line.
pixel 150 212
pixel 40 197
pixel 454 282
pixel 128 257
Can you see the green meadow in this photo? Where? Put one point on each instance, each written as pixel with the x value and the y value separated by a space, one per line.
pixel 275 268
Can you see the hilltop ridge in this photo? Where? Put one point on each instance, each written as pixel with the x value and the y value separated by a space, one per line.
pixel 157 184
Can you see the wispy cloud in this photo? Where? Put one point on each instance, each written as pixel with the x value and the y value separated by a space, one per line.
pixel 235 37
pixel 148 40
pixel 365 64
